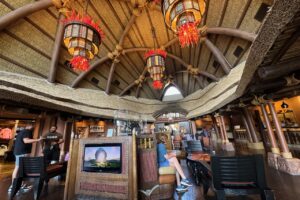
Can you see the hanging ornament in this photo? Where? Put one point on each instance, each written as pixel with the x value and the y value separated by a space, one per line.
pixel 82 37
pixel 155 62
pixel 184 17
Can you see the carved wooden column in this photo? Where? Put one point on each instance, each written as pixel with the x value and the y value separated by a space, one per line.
pixel 221 130
pixel 228 146
pixel 246 127
pixel 215 125
pixel 274 146
pixel 251 125
pixel 223 127
pixel 286 162
pixel 283 144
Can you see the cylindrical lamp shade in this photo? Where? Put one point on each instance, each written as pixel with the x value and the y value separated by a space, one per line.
pixel 179 12
pixel 155 62
pixel 81 39
pixel 183 17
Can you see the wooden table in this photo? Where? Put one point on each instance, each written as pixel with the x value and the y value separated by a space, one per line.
pixel 199 163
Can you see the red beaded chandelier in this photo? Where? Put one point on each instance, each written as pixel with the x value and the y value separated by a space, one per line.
pixel 155 62
pixel 82 37
pixel 184 17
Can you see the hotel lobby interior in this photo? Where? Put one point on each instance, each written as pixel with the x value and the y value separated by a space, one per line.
pixel 149 99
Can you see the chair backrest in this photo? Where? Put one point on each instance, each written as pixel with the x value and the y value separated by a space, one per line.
pixel 32 166
pixel 238 171
pixel 194 146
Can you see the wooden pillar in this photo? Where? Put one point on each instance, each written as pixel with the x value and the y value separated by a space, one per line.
pixel 274 146
pixel 251 125
pixel 215 125
pixel 221 130
pixel 246 127
pixel 283 144
pixel 224 128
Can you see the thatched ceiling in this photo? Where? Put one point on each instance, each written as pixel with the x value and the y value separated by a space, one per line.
pixel 27 44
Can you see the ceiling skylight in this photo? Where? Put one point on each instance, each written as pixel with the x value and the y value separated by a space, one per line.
pixel 172 94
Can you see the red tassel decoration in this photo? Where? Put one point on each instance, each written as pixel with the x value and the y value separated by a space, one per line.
pixel 188 34
pixel 79 63
pixel 158 85
pixel 154 52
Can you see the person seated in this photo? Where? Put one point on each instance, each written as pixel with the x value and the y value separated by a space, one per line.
pixel 166 159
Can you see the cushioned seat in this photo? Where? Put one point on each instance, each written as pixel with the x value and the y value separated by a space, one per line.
pixel 167 179
pixel 166 170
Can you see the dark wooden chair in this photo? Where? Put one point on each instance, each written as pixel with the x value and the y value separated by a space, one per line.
pixel 241 175
pixel 194 146
pixel 35 167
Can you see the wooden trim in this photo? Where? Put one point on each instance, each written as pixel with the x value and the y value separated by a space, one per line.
pixel 110 76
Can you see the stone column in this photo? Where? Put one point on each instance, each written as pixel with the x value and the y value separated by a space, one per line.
pixel 256 144
pixel 283 144
pixel 246 127
pixel 286 163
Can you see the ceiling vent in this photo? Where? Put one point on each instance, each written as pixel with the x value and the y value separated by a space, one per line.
pixel 238 51
pixel 94 80
pixel 262 12
pixel 116 82
pixel 216 64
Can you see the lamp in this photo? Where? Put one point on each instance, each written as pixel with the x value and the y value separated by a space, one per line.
pixel 183 17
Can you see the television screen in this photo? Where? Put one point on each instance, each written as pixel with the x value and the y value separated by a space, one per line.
pixel 102 158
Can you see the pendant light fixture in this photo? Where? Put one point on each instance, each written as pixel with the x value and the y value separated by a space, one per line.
pixel 82 37
pixel 155 62
pixel 183 17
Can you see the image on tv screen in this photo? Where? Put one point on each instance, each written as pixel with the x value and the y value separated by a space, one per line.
pixel 102 158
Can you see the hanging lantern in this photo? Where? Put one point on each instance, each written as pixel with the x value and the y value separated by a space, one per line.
pixel 82 37
pixel 155 62
pixel 184 17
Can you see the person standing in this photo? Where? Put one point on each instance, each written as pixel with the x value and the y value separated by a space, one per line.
pixel 52 140
pixel 22 148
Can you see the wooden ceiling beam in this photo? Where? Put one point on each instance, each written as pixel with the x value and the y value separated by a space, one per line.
pixel 128 88
pixel 121 41
pixel 92 67
pixel 23 11
pixel 218 55
pixel 56 49
pixel 233 32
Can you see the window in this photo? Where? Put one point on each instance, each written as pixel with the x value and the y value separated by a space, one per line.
pixel 171 93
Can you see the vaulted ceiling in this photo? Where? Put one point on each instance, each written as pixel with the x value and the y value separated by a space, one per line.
pixel 26 46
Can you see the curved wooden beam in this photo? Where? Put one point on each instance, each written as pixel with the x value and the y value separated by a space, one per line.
pixel 199 82
pixel 92 67
pixel 137 93
pixel 127 88
pixel 208 75
pixel 110 76
pixel 22 12
pixel 56 49
pixel 218 55
pixel 121 41
pixel 211 76
pixel 232 32
pixel 127 28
